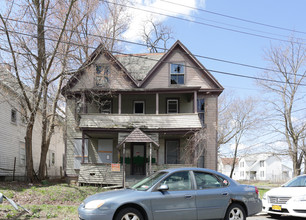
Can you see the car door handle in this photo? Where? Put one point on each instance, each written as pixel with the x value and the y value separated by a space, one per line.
pixel 188 196
pixel 225 194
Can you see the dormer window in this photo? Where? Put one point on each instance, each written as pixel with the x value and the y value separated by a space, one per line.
pixel 102 75
pixel 177 73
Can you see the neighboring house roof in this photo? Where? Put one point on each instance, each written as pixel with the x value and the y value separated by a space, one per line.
pixel 229 161
pixel 167 121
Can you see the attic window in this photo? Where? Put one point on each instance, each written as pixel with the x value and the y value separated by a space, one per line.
pixel 13 115
pixel 102 75
pixel 177 73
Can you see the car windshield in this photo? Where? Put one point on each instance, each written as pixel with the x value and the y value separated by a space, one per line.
pixel 299 181
pixel 148 182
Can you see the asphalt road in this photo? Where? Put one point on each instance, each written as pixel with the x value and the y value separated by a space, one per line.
pixel 262 216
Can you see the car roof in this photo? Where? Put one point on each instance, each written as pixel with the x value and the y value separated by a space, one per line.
pixel 172 170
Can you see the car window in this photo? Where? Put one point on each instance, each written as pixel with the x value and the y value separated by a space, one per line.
pixel 178 181
pixel 207 180
pixel 148 182
pixel 299 181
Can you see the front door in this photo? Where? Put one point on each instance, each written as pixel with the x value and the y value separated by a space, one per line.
pixel 138 162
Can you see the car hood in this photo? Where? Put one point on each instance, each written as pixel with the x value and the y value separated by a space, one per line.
pixel 111 195
pixel 287 191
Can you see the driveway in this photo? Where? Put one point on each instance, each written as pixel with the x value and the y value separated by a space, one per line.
pixel 262 216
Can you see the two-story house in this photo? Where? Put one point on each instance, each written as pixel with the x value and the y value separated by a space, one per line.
pixel 264 167
pixel 138 110
pixel 13 131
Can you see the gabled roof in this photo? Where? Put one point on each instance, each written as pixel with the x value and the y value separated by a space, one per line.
pixel 137 136
pixel 188 53
pixel 140 67
pixel 228 160
pixel 97 52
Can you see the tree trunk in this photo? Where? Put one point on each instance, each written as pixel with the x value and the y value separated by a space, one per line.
pixel 29 155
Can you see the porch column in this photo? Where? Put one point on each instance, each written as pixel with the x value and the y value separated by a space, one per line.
pixel 157 156
pixel 119 103
pixel 123 164
pixel 157 103
pixel 83 146
pixel 195 97
pixel 150 160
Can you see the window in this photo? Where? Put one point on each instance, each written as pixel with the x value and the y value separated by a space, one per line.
pixel 102 75
pixel 172 106
pixel 105 106
pixel 139 107
pixel 206 180
pixel 22 155
pixel 52 158
pixel 262 163
pixel 200 110
pixel 177 73
pixel 242 174
pixel 178 181
pixel 172 151
pixel 262 174
pixel 78 152
pixel 13 116
pixel 241 164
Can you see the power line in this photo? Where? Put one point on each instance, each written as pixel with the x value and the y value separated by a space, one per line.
pixel 201 23
pixel 144 45
pixel 116 52
pixel 236 18
pixel 217 22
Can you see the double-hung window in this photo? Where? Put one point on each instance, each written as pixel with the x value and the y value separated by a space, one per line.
pixel 172 106
pixel 177 73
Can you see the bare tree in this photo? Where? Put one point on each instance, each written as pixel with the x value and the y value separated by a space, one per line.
pixel 237 118
pixel 284 88
pixel 156 35
pixel 36 54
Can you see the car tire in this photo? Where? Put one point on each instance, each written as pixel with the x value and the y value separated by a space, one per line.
pixel 235 211
pixel 275 216
pixel 129 213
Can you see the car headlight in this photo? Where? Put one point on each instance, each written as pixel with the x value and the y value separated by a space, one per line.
pixel 299 198
pixel 94 204
pixel 264 197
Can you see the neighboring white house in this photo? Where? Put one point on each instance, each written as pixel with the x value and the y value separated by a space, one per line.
pixel 12 135
pixel 264 167
pixel 225 166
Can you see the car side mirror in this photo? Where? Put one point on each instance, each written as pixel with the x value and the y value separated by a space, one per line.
pixel 1 198
pixel 163 187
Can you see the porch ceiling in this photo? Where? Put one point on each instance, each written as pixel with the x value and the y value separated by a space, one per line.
pixel 164 121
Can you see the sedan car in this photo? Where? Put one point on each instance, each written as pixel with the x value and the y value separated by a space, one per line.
pixel 180 194
pixel 290 199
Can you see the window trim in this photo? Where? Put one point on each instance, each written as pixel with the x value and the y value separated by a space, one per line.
pixel 104 78
pixel 110 106
pixel 14 113
pixel 167 105
pixel 177 74
pixel 143 107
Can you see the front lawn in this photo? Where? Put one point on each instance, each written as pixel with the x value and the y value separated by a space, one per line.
pixel 44 201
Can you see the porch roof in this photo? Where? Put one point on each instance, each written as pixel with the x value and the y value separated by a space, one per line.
pixel 156 122
pixel 138 136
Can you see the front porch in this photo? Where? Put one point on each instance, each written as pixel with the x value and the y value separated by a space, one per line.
pixel 108 175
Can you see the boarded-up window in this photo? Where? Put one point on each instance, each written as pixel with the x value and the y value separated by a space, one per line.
pixel 78 152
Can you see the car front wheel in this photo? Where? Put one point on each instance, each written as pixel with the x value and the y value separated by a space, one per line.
pixel 235 212
pixel 129 214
